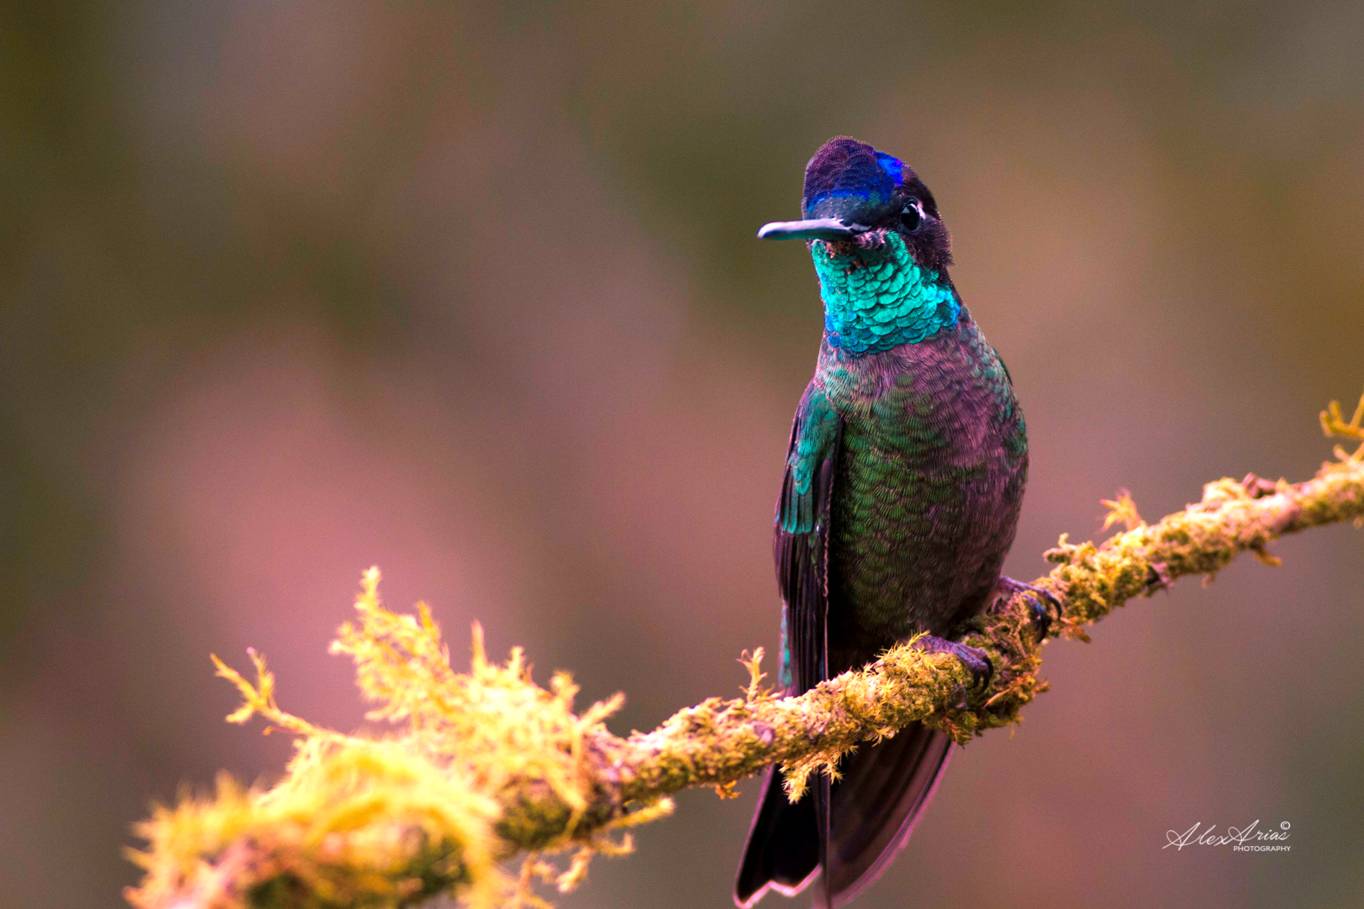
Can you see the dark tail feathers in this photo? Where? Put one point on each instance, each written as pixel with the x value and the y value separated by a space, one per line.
pixel 872 811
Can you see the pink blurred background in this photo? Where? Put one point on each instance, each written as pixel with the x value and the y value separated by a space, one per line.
pixel 473 294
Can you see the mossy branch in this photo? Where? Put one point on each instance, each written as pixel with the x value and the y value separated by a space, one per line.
pixel 477 767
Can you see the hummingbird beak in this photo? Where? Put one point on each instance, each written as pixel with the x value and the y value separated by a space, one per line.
pixel 813 229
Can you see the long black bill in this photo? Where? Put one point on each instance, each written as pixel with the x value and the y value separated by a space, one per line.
pixel 813 229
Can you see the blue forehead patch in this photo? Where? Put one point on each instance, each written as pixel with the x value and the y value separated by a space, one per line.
pixel 893 166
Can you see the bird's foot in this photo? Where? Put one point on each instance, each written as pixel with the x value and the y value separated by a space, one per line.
pixel 1041 603
pixel 976 661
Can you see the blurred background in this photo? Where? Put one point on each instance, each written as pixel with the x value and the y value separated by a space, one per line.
pixel 472 293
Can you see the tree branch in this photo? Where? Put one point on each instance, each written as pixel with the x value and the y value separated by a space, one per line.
pixel 480 766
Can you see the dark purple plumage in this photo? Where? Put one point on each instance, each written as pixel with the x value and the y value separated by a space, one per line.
pixel 903 486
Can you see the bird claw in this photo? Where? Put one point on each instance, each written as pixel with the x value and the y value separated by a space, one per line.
pixel 1041 611
pixel 976 661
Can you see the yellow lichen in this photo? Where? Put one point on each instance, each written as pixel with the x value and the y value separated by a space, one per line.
pixel 1333 423
pixel 1121 510
pixel 384 818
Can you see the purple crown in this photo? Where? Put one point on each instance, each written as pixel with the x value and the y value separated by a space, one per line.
pixel 846 171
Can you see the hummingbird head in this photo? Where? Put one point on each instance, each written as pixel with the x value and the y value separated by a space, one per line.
pixel 855 196
pixel 879 246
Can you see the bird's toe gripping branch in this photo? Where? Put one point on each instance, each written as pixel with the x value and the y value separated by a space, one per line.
pixel 1005 638
pixel 1045 606
pixel 976 661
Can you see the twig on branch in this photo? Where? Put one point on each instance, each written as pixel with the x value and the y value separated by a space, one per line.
pixel 480 766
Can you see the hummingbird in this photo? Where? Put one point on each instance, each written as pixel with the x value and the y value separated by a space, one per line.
pixel 903 482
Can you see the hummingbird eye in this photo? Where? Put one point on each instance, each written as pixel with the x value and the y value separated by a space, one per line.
pixel 912 215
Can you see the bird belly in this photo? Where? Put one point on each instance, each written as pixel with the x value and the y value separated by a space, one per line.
pixel 925 503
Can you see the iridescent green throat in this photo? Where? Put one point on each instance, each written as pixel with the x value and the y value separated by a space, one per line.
pixel 882 300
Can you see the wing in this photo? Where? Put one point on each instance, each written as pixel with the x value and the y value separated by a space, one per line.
pixel 801 541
